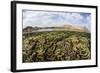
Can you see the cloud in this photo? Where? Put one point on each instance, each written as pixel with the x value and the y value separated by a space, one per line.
pixel 73 18
pixel 48 19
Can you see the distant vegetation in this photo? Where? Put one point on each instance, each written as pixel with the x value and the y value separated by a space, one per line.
pixel 56 46
pixel 60 28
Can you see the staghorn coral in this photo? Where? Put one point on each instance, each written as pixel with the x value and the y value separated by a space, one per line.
pixel 56 46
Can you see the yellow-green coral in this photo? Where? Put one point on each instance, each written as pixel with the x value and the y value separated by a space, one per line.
pixel 56 46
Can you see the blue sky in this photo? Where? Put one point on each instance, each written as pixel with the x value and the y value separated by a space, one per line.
pixel 51 19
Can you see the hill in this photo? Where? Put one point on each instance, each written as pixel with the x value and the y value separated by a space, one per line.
pixel 67 27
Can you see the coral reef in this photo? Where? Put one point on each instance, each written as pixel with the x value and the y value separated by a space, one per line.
pixel 56 46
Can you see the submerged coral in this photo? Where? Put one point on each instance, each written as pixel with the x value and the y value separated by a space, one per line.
pixel 56 46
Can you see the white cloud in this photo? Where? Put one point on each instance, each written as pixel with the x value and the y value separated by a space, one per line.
pixel 88 25
pixel 47 19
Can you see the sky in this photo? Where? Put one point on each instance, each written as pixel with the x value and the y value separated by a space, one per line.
pixel 52 19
